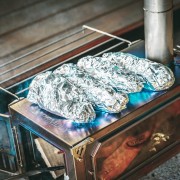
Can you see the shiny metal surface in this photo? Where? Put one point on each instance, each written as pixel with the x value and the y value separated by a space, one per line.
pixel 158 22
pixel 124 151
pixel 103 97
pixel 56 94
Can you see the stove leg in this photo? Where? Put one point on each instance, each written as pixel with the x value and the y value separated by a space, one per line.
pixel 75 169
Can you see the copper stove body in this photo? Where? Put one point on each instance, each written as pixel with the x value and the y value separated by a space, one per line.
pixel 114 146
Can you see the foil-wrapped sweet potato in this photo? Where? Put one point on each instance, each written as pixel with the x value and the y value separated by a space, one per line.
pixel 109 73
pixel 103 97
pixel 157 76
pixel 57 95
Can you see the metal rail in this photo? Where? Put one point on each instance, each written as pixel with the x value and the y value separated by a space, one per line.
pixel 110 35
pixel 54 65
pixel 46 53
pixel 101 52
pixel 84 27
pixel 107 34
pixel 4 115
pixel 108 49
pixel 66 60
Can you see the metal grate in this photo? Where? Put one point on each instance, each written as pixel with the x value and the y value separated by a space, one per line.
pixel 111 44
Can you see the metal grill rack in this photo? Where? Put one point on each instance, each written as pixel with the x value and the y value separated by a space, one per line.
pixel 111 44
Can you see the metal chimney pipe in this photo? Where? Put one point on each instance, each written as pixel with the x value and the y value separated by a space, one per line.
pixel 158 21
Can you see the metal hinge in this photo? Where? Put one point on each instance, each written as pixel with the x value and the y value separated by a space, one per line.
pixel 78 151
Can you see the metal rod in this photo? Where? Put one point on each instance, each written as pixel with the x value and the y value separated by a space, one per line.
pixel 23 90
pixel 4 115
pixel 107 34
pixel 108 49
pixel 8 92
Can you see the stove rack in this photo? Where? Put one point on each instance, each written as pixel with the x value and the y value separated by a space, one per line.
pixel 116 45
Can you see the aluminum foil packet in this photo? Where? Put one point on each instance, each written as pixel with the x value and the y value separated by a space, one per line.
pixel 58 96
pixel 109 73
pixel 157 76
pixel 103 97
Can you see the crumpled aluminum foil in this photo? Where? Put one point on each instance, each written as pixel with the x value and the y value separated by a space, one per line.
pixel 157 76
pixel 102 96
pixel 58 96
pixel 109 73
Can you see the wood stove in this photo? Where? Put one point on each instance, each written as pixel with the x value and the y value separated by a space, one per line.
pixel 30 46
pixel 114 145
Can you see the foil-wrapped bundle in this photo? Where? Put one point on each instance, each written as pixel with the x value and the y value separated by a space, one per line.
pixel 157 76
pixel 109 73
pixel 104 97
pixel 58 96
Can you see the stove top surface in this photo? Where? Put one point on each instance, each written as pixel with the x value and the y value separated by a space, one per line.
pixel 140 105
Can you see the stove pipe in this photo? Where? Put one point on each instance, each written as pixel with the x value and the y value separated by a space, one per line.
pixel 158 22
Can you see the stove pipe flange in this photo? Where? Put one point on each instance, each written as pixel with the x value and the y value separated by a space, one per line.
pixel 158 22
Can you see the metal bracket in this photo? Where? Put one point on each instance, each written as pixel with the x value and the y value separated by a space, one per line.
pixel 78 151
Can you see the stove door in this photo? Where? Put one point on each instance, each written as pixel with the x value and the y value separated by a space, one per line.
pixel 125 151
pixel 7 150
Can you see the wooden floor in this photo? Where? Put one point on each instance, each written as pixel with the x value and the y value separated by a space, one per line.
pixel 36 32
